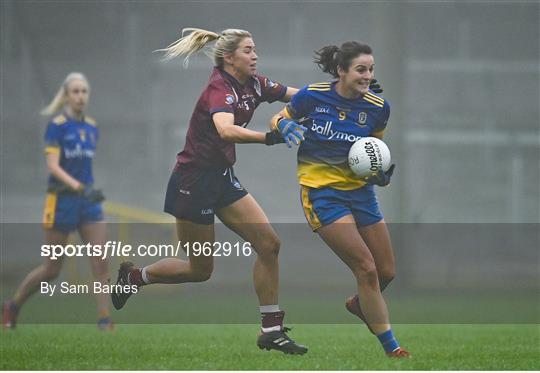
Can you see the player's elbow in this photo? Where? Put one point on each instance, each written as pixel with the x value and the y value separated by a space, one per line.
pixel 227 134
pixel 226 137
pixel 52 168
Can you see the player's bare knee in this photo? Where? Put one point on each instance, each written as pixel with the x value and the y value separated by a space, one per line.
pixel 269 247
pixel 366 273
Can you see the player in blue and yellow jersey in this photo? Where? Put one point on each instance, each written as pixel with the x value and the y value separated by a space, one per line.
pixel 71 202
pixel 339 206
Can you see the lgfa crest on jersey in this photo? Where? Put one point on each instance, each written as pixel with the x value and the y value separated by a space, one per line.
pixel 229 99
pixel 362 118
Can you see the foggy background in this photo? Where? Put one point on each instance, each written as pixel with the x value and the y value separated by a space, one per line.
pixel 462 79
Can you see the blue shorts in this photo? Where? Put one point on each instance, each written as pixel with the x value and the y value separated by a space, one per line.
pixel 324 206
pixel 195 195
pixel 64 212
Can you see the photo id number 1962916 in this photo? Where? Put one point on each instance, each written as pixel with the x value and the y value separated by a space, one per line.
pixel 217 248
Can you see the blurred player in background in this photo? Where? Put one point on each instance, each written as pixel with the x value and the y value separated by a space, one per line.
pixel 71 202
pixel 339 206
pixel 203 183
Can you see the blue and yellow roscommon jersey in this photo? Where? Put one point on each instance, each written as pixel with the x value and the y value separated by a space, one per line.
pixel 333 124
pixel 75 141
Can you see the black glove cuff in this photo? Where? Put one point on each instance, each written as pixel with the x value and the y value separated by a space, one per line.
pixel 273 137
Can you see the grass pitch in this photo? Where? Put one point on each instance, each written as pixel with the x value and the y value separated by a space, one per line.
pixel 232 347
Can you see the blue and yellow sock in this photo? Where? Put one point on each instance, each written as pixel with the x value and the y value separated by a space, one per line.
pixel 388 341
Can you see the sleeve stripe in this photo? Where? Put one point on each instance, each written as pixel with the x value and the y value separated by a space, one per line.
pixel 282 93
pixel 52 149
pixel 378 134
pixel 371 101
pixel 287 112
pixel 374 98
pixel 221 110
pixel 319 89
pixel 320 85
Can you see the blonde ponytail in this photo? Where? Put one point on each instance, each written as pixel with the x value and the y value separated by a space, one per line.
pixel 189 44
pixel 227 42
pixel 59 99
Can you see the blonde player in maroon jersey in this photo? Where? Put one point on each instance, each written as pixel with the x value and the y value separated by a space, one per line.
pixel 203 184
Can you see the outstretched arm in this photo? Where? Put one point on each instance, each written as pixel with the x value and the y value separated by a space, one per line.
pixel 291 91
pixel 224 123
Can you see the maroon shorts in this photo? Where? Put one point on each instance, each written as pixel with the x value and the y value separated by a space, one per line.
pixel 195 195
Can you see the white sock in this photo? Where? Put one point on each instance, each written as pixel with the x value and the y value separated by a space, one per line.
pixel 144 276
pixel 266 309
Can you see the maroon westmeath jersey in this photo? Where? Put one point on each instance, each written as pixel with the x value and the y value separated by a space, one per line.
pixel 204 148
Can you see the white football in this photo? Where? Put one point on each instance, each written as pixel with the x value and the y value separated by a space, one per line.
pixel 369 155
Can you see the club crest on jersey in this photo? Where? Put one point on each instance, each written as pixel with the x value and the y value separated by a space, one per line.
pixel 82 135
pixel 362 118
pixel 229 99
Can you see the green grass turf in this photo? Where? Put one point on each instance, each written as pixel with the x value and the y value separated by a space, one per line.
pixel 232 347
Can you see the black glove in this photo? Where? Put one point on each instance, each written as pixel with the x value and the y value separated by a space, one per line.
pixel 381 178
pixel 92 195
pixel 375 86
pixel 273 138
pixel 86 191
